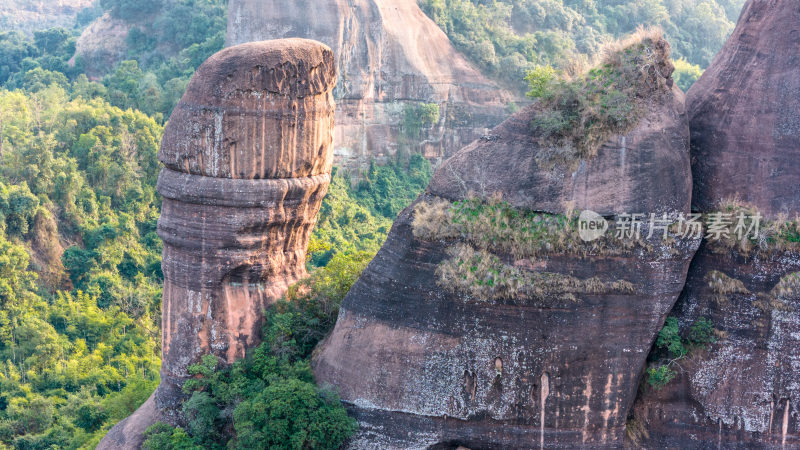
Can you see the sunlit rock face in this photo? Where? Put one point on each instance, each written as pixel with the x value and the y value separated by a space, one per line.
pixel 744 390
pixel 390 56
pixel 248 155
pixel 424 366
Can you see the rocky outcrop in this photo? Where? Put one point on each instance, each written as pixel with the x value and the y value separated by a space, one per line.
pixel 248 155
pixel 485 324
pixel 102 45
pixel 621 181
pixel 391 57
pixel 743 391
pixel 745 114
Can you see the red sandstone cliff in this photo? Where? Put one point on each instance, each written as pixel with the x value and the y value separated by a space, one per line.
pixel 389 54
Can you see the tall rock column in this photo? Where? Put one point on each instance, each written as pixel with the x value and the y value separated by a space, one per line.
pixel 248 155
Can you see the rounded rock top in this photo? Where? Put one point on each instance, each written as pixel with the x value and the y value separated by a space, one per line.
pixel 254 111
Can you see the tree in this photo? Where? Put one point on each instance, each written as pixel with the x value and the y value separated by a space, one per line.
pixel 686 74
pixel 51 40
pixel 123 84
pixel 38 79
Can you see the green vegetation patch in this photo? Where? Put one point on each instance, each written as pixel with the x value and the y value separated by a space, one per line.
pixel 672 347
pixel 270 398
pixel 498 227
pixel 771 235
pixel 484 276
pixel 576 116
pixel 508 38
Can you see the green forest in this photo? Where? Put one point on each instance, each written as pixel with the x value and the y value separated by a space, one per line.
pixel 80 274
pixel 508 38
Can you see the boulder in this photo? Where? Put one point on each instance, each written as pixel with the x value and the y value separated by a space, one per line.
pixel 484 322
pixel 745 114
pixel 742 391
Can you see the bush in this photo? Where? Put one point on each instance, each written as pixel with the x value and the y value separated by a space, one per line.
pixel 417 117
pixel 583 113
pixel 660 376
pixel 292 414
pixel 670 348
pixel 539 80
pixel 165 437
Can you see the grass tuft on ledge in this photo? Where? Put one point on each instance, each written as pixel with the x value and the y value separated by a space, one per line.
pixel 576 116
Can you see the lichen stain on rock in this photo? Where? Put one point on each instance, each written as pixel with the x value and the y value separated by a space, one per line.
pixel 743 391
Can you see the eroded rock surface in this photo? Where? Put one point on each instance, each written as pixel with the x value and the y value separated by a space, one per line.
pixel 390 56
pixel 745 113
pixel 424 365
pixel 744 390
pixel 248 154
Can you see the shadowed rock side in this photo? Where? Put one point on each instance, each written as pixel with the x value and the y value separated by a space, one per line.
pixel 744 390
pixel 389 54
pixel 248 152
pixel 745 113
pixel 425 366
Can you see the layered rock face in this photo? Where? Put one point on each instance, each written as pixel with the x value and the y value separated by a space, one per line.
pixel 621 181
pixel 390 57
pixel 248 155
pixel 743 392
pixel 551 362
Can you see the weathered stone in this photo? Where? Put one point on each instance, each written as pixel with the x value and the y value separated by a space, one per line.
pixel 389 54
pixel 743 392
pixel 420 365
pixel 745 113
pixel 644 171
pixel 248 154
pixel 255 111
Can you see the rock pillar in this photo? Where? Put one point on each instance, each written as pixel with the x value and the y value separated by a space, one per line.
pixel 248 155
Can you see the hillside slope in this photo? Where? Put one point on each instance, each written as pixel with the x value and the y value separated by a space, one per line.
pixel 27 15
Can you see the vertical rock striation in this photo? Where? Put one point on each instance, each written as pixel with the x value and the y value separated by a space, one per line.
pixel 744 391
pixel 390 55
pixel 248 155
pixel 554 363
